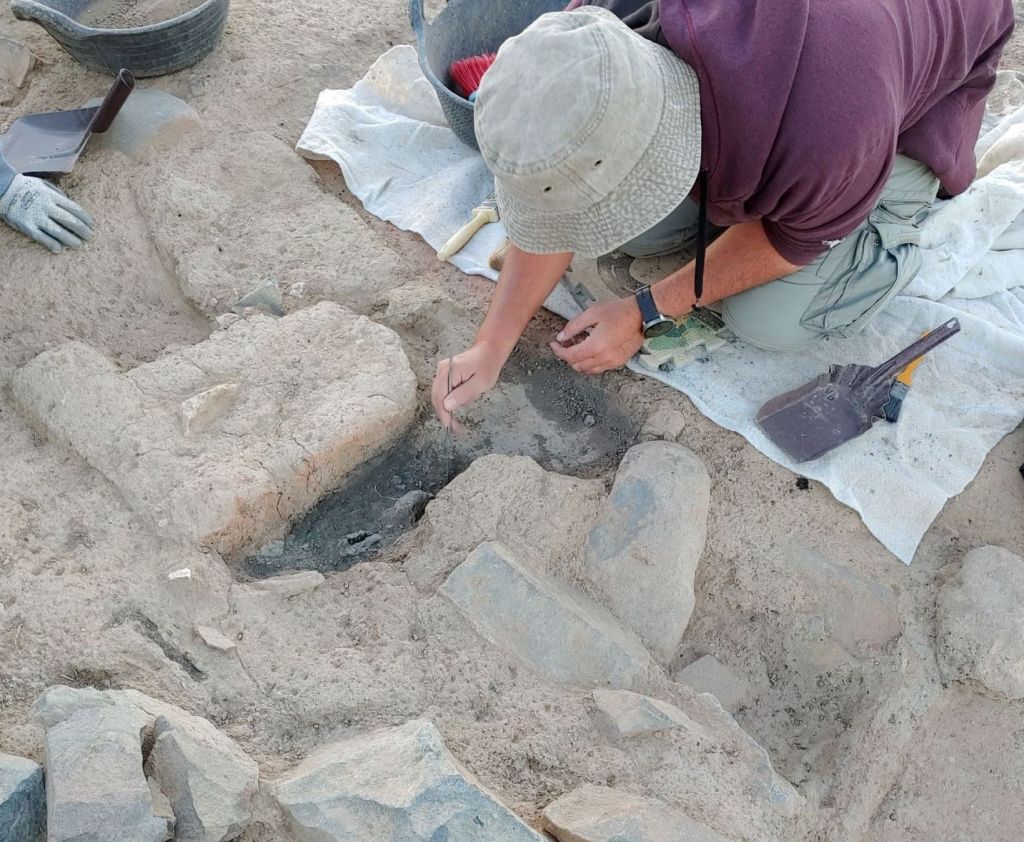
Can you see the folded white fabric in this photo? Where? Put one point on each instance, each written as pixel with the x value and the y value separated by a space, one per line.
pixel 399 158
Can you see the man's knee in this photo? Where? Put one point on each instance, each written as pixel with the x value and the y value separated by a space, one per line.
pixel 676 232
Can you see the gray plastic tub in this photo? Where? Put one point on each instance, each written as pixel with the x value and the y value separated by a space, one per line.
pixel 466 28
pixel 152 50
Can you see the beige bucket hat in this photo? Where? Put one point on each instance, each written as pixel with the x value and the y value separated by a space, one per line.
pixel 592 133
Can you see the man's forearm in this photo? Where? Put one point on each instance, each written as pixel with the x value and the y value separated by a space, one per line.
pixel 525 282
pixel 740 259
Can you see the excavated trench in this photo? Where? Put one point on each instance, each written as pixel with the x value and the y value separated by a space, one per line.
pixel 542 409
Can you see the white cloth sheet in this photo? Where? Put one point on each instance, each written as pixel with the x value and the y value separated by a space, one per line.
pixel 399 158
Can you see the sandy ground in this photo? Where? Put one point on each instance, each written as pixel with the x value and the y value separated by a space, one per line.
pixel 83 592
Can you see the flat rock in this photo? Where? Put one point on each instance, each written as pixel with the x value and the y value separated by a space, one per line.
pixel 22 799
pixel 208 780
pixel 642 553
pixel 625 714
pixel 150 121
pixel 541 516
pixel 396 785
pixel 16 60
pixel 199 412
pixel 599 814
pixel 95 788
pixel 709 675
pixel 547 625
pixel 981 623
pixel 215 639
pixel 319 392
pixel 197 196
pixel 664 423
pixel 282 587
pixel 833 614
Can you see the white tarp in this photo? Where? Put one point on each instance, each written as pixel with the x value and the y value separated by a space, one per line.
pixel 399 158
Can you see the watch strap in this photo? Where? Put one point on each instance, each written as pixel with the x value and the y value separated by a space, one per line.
pixel 648 309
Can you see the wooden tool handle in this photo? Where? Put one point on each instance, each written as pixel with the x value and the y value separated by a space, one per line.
pixel 464 234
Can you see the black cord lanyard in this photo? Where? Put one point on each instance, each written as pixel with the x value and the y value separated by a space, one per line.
pixel 702 238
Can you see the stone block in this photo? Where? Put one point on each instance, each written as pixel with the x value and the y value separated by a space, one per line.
pixel 318 392
pixel 599 814
pixel 22 799
pixel 554 630
pixel 150 121
pixel 709 675
pixel 981 623
pixel 95 788
pixel 541 516
pixel 396 785
pixel 642 553
pixel 209 782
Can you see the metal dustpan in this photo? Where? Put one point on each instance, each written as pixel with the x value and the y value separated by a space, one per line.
pixel 50 144
pixel 840 405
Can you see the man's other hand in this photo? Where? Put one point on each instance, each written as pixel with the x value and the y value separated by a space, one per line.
pixel 601 338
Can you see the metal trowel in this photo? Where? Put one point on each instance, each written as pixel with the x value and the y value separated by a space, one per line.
pixel 50 144
pixel 835 407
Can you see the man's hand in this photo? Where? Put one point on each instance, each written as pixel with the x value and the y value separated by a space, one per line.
pixel 604 337
pixel 39 210
pixel 473 372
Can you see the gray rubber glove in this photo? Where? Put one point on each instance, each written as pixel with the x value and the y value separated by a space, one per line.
pixel 39 210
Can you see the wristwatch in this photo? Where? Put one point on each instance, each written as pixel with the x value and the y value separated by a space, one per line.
pixel 655 324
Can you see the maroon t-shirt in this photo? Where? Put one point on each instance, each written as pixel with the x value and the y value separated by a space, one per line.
pixel 805 104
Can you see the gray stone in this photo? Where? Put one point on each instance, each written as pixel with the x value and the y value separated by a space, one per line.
pixel 405 511
pixel 599 814
pixel 398 784
pixel 834 614
pixel 266 298
pixel 709 675
pixel 16 60
pixel 282 587
pixel 624 714
pixel 95 788
pixel 199 412
pixel 22 799
pixel 541 516
pixel 206 778
pixel 150 120
pixel 663 423
pixel 209 781
pixel 551 628
pixel 215 639
pixel 642 553
pixel 981 623
pixel 320 391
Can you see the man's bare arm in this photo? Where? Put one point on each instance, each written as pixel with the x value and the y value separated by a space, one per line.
pixel 525 282
pixel 740 259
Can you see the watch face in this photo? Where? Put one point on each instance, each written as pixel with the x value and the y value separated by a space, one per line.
pixel 659 328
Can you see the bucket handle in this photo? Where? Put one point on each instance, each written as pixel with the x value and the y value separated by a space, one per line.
pixel 123 85
pixel 49 18
pixel 417 20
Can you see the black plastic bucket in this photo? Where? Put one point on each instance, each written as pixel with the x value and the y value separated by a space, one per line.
pixel 153 50
pixel 468 28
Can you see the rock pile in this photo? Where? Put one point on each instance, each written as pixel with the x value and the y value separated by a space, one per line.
pixel 123 767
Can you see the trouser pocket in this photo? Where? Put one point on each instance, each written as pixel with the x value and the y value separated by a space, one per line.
pixel 870 267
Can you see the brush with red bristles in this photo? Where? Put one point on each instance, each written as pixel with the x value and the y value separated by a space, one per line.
pixel 467 73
